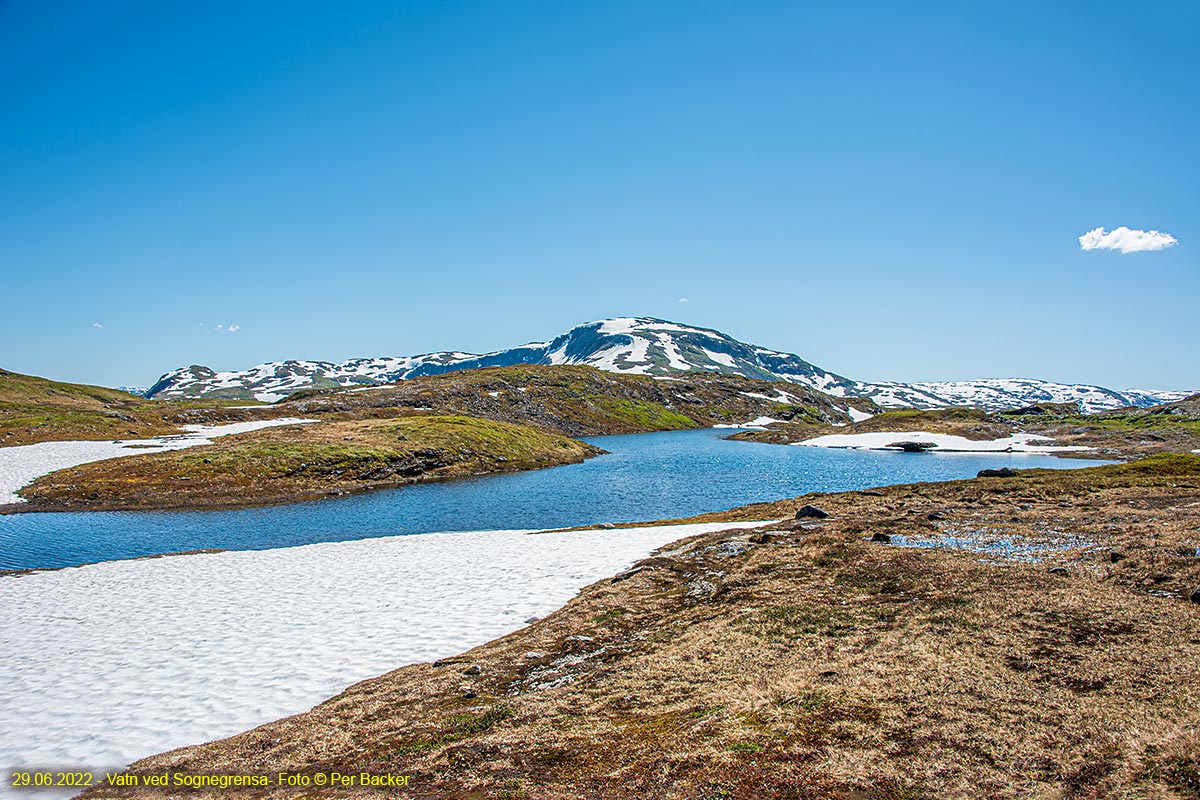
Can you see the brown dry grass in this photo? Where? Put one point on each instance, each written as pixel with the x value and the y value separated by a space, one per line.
pixel 805 661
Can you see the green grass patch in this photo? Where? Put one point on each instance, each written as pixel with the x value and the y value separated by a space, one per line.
pixel 455 728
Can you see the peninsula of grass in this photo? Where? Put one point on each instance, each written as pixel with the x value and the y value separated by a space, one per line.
pixel 305 461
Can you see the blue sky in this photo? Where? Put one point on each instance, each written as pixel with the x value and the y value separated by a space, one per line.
pixel 893 191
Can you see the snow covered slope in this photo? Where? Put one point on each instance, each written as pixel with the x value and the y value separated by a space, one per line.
pixel 641 346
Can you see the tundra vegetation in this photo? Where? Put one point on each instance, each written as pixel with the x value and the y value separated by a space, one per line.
pixel 1028 636
pixel 305 461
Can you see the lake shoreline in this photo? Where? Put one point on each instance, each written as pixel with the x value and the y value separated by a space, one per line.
pixel 869 623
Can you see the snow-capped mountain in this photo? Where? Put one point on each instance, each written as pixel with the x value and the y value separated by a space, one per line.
pixel 642 346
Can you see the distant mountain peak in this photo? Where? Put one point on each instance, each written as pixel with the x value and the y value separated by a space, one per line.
pixel 639 346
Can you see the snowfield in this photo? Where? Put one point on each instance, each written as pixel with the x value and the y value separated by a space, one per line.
pixel 946 443
pixel 757 422
pixel 104 664
pixel 22 465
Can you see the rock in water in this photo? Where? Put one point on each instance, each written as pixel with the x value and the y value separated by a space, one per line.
pixel 812 512
pixel 914 447
pixel 881 537
pixel 1003 472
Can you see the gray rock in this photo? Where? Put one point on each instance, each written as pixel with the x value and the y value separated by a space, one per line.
pixel 881 537
pixel 1058 571
pixel 472 670
pixel 870 493
pixel 914 447
pixel 1116 555
pixel 734 548
pixel 467 692
pixel 1003 472
pixel 934 516
pixel 534 655
pixel 806 511
pixel 531 620
pixel 626 575
pixel 606 526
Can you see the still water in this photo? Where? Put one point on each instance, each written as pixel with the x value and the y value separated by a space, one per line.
pixel 643 477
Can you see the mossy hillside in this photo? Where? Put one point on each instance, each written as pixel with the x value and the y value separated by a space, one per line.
pixel 578 400
pixel 34 409
pixel 294 462
pixel 1121 422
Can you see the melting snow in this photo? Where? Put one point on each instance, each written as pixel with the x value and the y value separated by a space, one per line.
pixel 759 422
pixel 1017 443
pixel 856 415
pixel 107 663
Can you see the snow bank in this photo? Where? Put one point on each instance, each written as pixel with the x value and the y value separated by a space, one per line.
pixel 947 443
pixel 107 663
pixel 856 415
pixel 759 422
pixel 20 466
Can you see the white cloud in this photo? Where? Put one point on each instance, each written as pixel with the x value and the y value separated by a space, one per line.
pixel 234 328
pixel 1126 240
pixel 97 325
pixel 683 300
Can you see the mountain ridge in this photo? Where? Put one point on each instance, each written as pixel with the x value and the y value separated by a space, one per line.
pixel 642 346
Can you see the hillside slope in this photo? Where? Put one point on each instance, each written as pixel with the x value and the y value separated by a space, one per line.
pixel 34 409
pixel 580 401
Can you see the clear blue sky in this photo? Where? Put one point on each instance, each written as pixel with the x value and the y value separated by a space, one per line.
pixel 891 190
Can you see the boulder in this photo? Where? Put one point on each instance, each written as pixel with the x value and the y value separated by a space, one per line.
pixel 1195 598
pixel 1115 555
pixel 1003 472
pixel 811 512
pixel 1058 571
pixel 881 537
pixel 914 447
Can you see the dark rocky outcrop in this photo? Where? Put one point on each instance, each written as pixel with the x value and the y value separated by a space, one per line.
pixel 811 512
pixel 1002 472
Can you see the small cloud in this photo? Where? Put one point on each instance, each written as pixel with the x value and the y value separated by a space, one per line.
pixel 234 328
pixel 97 325
pixel 228 328
pixel 683 300
pixel 1126 240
